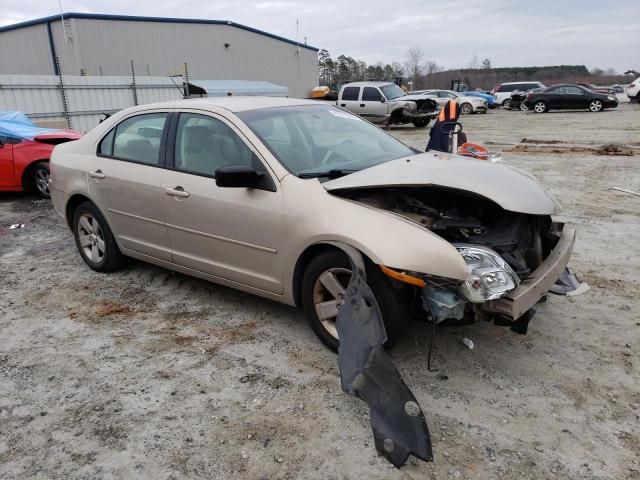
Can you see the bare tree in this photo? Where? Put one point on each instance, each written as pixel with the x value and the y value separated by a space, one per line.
pixel 610 72
pixel 473 63
pixel 414 64
pixel 486 64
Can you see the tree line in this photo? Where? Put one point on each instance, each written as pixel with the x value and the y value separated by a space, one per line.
pixel 418 72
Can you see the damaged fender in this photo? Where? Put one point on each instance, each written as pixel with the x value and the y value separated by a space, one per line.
pixel 367 372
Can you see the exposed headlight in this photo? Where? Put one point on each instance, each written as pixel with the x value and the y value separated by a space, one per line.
pixel 611 97
pixel 490 277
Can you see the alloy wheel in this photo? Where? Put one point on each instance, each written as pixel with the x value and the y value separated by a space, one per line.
pixel 91 238
pixel 328 295
pixel 595 105
pixel 540 107
pixel 466 109
pixel 42 181
pixel 523 106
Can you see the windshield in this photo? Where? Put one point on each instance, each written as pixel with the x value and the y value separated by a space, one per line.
pixel 310 139
pixel 392 91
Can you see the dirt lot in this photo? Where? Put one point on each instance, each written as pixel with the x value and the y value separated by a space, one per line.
pixel 149 374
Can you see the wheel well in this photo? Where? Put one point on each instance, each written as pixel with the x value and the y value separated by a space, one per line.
pixel 26 174
pixel 301 265
pixel 71 206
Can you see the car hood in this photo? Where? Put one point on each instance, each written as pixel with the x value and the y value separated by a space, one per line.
pixel 512 189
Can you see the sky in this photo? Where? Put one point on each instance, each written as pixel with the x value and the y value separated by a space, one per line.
pixel 601 33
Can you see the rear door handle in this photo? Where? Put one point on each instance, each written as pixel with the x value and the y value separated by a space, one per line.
pixel 97 174
pixel 343 104
pixel 362 104
pixel 176 192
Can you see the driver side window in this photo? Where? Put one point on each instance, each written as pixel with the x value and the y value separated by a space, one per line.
pixel 204 144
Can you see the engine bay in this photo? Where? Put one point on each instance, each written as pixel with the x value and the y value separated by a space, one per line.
pixel 523 240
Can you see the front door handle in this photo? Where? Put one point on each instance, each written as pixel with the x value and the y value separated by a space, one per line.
pixel 97 174
pixel 176 192
pixel 343 104
pixel 362 105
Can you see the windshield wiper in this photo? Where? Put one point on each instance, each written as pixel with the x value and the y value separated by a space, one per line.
pixel 335 173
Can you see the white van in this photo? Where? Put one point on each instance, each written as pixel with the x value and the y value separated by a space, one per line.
pixel 504 90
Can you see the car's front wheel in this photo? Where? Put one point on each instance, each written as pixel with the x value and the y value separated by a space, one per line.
pixel 595 105
pixel 523 106
pixel 421 123
pixel 322 290
pixel 40 179
pixel 506 103
pixel 94 239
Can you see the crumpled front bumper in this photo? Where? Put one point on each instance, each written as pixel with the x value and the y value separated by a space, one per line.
pixel 518 301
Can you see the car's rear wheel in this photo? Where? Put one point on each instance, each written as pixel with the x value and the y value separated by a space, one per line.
pixel 466 109
pixel 94 239
pixel 540 107
pixel 40 179
pixel 506 103
pixel 323 285
pixel 595 105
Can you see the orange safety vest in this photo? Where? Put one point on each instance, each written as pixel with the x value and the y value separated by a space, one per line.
pixel 448 112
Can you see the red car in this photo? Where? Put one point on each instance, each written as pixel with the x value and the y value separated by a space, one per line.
pixel 24 164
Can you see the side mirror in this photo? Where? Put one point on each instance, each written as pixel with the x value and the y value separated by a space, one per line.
pixel 382 100
pixel 238 176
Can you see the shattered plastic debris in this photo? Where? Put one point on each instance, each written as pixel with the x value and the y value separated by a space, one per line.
pixel 16 225
pixel 367 372
pixel 468 343
pixel 569 285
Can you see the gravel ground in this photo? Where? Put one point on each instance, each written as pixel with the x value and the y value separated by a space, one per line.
pixel 150 374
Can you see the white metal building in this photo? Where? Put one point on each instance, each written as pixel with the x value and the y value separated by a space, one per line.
pixel 91 44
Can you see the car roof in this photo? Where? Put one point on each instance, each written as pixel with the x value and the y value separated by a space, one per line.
pixel 367 84
pixel 518 83
pixel 234 104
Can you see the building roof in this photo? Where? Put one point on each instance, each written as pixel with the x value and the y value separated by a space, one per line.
pixel 237 87
pixel 135 18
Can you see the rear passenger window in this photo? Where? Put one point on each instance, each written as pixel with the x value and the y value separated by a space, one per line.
pixel 106 145
pixel 350 93
pixel 138 138
pixel 204 144
pixel 371 94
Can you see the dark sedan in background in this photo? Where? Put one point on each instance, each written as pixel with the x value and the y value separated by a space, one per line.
pixel 569 96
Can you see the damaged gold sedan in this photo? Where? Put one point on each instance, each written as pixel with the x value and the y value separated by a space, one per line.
pixel 254 193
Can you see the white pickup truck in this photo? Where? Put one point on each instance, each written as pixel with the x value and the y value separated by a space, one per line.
pixel 385 102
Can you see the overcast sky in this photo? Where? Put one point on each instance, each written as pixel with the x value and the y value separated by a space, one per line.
pixel 597 33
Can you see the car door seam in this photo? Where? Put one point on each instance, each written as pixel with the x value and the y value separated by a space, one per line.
pixel 137 217
pixel 223 239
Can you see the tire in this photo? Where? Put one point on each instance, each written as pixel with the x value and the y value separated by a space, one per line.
pixel 540 106
pixel 596 106
pixel 466 109
pixel 506 103
pixel 39 179
pixel 523 106
pixel 394 303
pixel 421 123
pixel 94 239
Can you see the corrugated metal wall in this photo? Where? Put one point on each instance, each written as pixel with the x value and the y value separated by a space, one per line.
pixel 106 47
pixel 26 51
pixel 40 97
